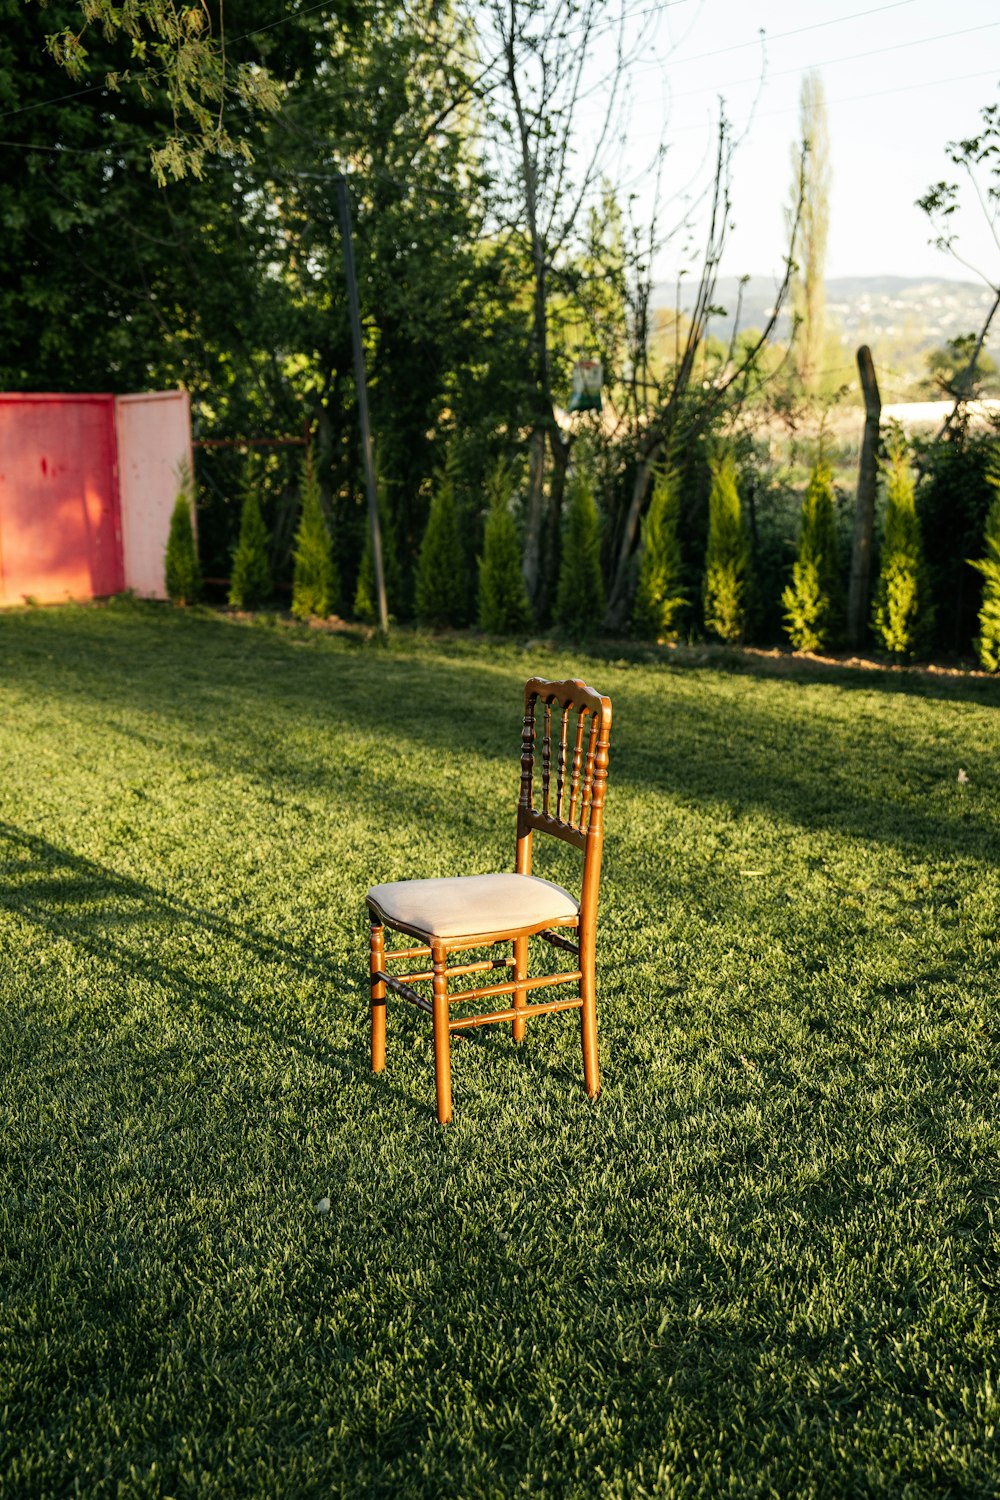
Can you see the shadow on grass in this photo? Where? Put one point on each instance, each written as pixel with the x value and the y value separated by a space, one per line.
pixel 79 900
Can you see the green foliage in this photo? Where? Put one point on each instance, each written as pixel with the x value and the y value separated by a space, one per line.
pixel 365 601
pixel 812 598
pixel 727 555
pixel 182 59
pixel 903 610
pixel 250 583
pixel 660 596
pixel 955 496
pixel 503 606
pixel 181 570
pixel 440 587
pixel 988 642
pixel 580 599
pixel 315 585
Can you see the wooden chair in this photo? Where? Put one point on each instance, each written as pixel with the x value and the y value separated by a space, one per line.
pixel 569 724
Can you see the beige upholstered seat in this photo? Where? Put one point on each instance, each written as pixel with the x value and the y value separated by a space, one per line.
pixel 463 906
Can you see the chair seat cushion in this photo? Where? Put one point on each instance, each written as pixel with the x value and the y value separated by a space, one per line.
pixel 471 904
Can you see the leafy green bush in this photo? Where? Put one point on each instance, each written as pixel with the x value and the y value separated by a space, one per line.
pixel 181 570
pixel 250 583
pixel 812 599
pixel 503 598
pixel 315 584
pixel 727 555
pixel 988 642
pixel 580 596
pixel 955 496
pixel 660 597
pixel 440 588
pixel 903 613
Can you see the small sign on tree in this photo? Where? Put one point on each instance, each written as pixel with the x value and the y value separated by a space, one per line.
pixel 588 377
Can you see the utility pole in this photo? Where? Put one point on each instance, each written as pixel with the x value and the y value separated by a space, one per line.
pixel 864 508
pixel 361 385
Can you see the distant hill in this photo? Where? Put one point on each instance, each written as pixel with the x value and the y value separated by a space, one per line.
pixel 915 313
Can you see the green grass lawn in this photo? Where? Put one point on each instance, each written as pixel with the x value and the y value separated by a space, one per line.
pixel 765 1262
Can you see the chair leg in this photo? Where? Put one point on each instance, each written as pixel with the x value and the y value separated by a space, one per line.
pixel 520 1025
pixel 442 1036
pixel 588 1014
pixel 378 997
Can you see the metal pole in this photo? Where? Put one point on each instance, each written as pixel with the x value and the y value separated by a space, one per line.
pixel 361 384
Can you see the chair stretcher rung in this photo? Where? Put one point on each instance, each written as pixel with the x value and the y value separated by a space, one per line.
pixel 557 941
pixel 508 988
pixel 399 988
pixel 466 1023
pixel 458 969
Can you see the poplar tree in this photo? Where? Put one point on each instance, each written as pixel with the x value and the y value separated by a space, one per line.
pixel 812 598
pixel 315 584
pixel 727 557
pixel 903 613
pixel 811 165
pixel 659 596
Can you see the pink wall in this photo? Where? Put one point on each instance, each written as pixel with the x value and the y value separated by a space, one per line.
pixel 60 533
pixel 154 443
pixel 87 485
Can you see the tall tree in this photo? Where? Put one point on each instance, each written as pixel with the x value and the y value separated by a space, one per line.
pixel 978 160
pixel 811 184
pixel 540 56
pixel 677 410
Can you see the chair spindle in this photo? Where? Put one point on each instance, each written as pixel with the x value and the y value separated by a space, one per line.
pixel 546 756
pixel 561 767
pixel 574 790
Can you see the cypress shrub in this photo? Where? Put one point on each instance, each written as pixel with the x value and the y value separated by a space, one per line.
pixel 251 580
pixel 727 555
pixel 812 599
pixel 365 601
pixel 580 596
pixel 988 642
pixel 659 597
pixel 903 614
pixel 182 574
pixel 315 585
pixel 955 496
pixel 441 587
pixel 503 597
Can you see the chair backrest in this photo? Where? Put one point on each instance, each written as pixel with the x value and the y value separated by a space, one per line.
pixel 565 736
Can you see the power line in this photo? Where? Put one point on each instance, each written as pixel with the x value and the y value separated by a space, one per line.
pixel 779 36
pixel 831 62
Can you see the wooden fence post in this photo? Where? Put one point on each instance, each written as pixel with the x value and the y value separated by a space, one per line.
pixel 864 507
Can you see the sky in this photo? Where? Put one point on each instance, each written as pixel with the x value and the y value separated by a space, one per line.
pixel 901 79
